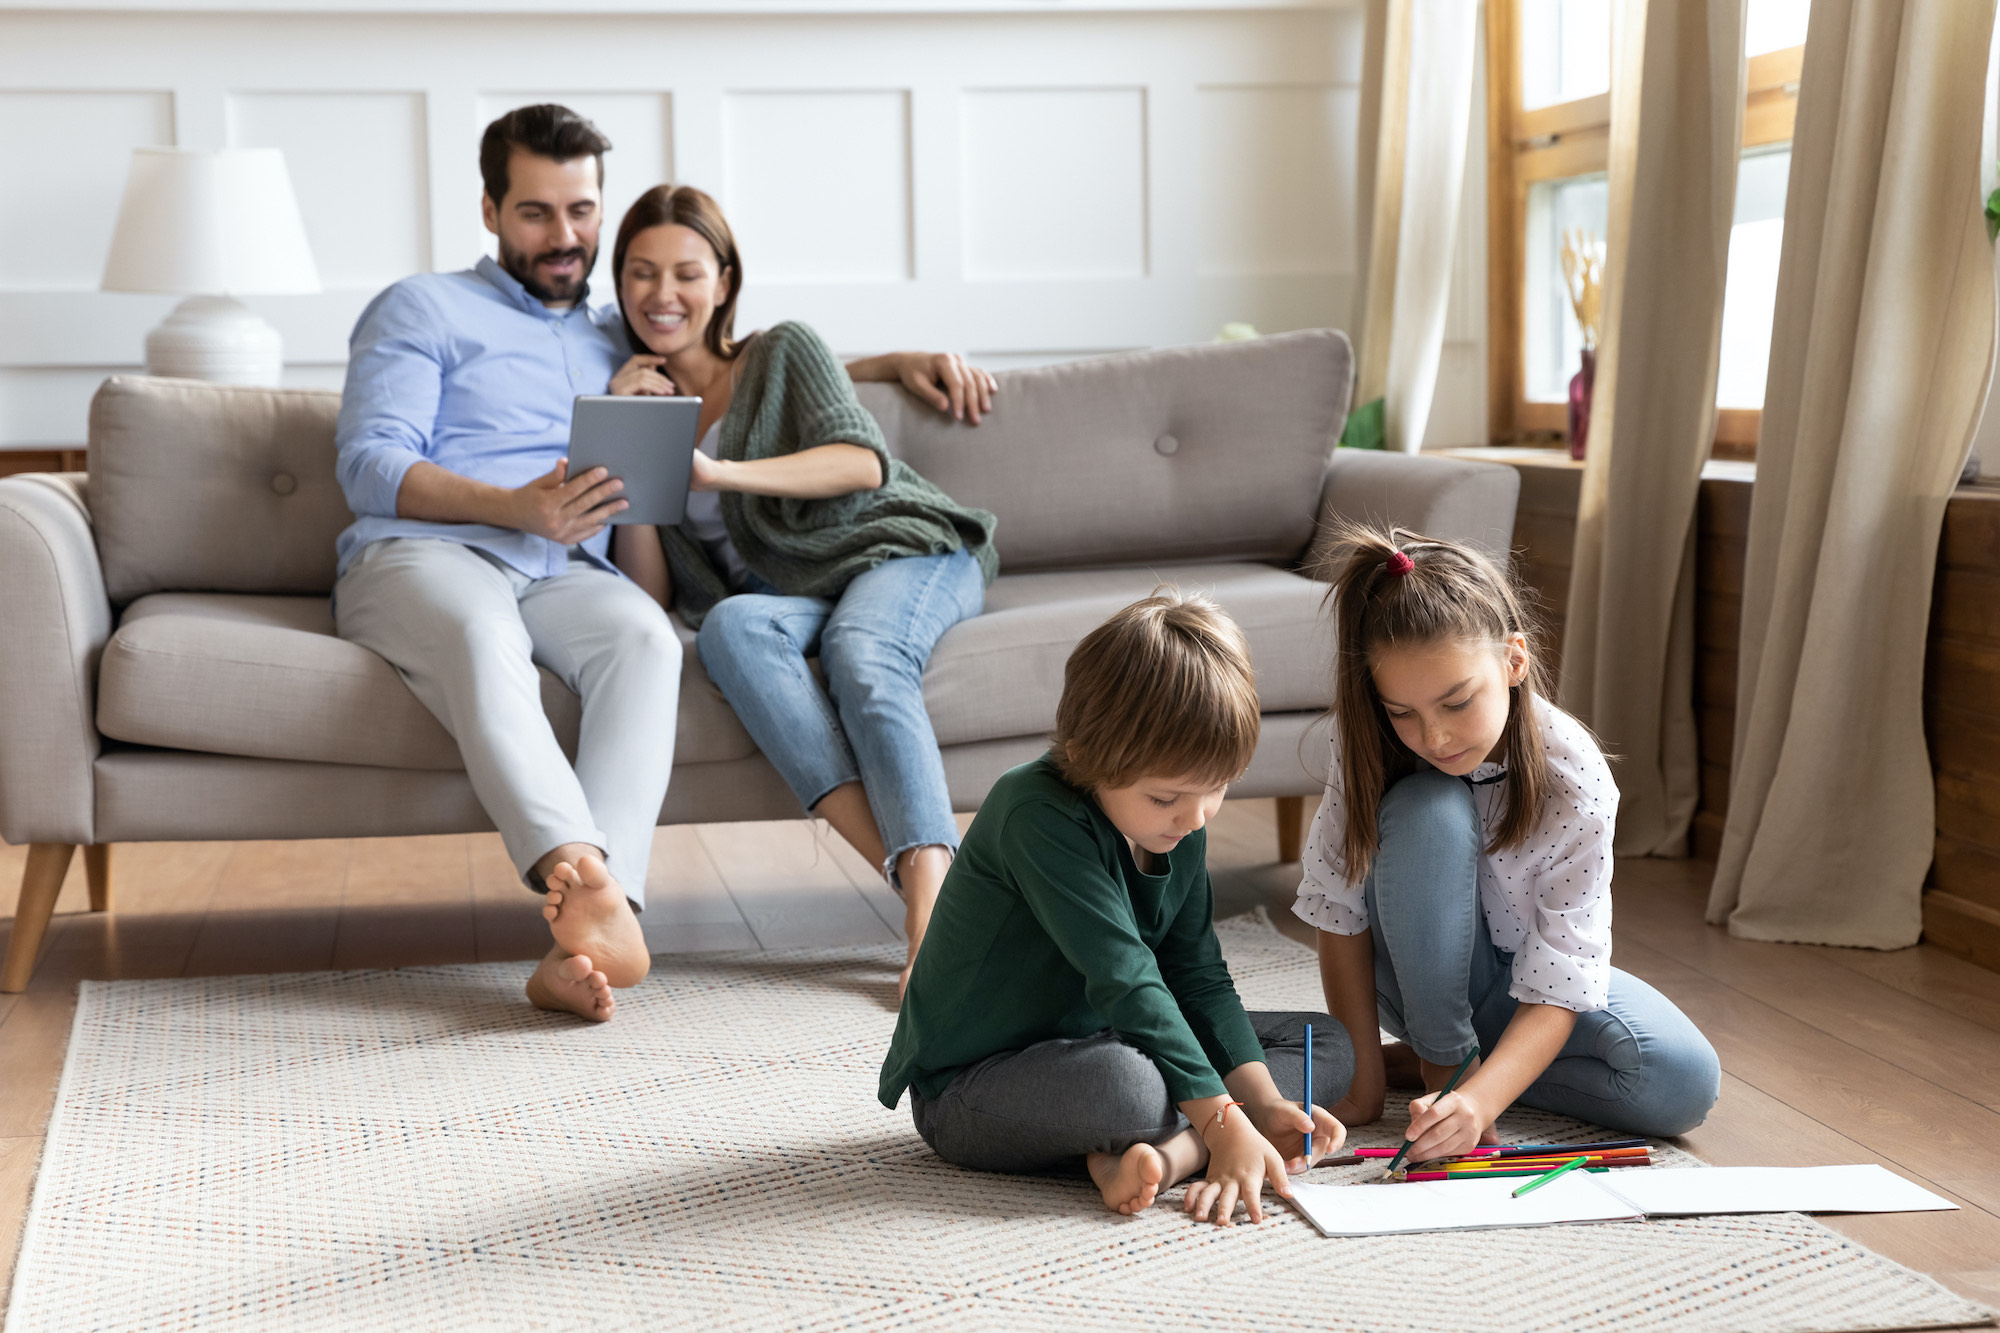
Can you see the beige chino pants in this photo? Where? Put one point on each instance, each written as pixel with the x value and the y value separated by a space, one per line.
pixel 467 631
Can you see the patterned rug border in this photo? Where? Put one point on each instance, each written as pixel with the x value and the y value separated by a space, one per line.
pixel 1050 1290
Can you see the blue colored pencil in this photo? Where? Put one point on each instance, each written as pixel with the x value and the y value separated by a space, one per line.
pixel 1309 1092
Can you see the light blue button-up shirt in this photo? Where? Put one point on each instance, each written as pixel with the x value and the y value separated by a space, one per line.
pixel 468 371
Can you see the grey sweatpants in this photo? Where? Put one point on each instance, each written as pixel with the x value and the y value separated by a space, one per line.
pixel 467 632
pixel 1046 1107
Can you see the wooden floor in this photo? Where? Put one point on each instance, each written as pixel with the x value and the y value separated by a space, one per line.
pixel 1829 1055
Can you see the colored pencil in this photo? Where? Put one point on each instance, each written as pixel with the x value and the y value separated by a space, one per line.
pixel 1421 1174
pixel 1484 1155
pixel 1309 1094
pixel 1443 1092
pixel 1561 1170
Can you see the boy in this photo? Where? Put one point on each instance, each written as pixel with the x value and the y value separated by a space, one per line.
pixel 1070 1005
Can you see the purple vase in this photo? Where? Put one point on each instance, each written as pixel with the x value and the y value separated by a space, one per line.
pixel 1580 385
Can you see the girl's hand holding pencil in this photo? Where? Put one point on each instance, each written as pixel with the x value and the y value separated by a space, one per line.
pixel 1448 1124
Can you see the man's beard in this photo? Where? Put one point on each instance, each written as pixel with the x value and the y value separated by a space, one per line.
pixel 522 267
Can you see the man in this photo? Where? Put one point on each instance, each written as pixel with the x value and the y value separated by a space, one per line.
pixel 475 557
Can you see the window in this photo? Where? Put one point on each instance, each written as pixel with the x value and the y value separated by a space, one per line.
pixel 1548 139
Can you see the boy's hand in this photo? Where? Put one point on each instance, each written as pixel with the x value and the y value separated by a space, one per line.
pixel 1284 1124
pixel 1240 1160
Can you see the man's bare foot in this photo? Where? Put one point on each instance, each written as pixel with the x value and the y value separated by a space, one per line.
pixel 570 983
pixel 588 914
pixel 1401 1066
pixel 1129 1183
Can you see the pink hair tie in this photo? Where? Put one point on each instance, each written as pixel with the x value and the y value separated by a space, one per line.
pixel 1399 564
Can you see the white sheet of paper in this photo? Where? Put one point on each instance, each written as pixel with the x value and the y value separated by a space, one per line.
pixel 1457 1205
pixel 1695 1191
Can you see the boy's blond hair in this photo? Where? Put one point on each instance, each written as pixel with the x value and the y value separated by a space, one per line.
pixel 1162 689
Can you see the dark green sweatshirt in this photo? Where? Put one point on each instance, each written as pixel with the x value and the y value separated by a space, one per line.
pixel 1046 928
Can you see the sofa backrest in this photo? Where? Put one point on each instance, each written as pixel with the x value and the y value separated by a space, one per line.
pixel 1186 454
pixel 1191 453
pixel 213 488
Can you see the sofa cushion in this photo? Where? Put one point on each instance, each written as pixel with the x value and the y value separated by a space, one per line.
pixel 1000 673
pixel 1214 452
pixel 213 487
pixel 266 677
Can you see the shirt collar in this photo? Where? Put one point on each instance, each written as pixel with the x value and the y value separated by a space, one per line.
pixel 510 287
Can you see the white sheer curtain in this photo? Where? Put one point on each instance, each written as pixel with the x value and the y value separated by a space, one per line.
pixel 1416 105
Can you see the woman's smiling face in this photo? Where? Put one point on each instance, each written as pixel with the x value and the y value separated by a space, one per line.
pixel 670 286
pixel 1449 701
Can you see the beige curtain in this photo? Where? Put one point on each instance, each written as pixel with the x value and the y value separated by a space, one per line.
pixel 1416 104
pixel 1880 354
pixel 1628 646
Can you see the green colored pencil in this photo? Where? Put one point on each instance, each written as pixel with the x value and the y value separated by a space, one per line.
pixel 1540 1181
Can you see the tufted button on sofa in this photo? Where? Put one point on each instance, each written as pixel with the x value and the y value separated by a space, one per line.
pixel 169 670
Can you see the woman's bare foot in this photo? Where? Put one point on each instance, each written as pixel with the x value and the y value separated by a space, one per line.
pixel 1129 1183
pixel 570 983
pixel 588 914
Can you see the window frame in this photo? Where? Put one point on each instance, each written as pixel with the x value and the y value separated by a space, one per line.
pixel 1567 139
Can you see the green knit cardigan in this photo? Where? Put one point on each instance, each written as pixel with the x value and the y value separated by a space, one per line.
pixel 792 394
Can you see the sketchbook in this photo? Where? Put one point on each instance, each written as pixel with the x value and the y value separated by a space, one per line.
pixel 1621 1196
pixel 1773 1189
pixel 1457 1205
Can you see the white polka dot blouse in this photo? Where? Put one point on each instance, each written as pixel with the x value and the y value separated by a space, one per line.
pixel 1547 902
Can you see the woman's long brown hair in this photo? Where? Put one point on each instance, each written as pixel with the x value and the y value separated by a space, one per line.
pixel 684 206
pixel 1450 594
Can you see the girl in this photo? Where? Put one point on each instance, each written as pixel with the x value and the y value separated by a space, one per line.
pixel 1459 869
pixel 1072 1008
pixel 803 537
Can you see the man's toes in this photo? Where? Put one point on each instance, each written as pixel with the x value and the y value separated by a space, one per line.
pixel 576 967
pixel 591 872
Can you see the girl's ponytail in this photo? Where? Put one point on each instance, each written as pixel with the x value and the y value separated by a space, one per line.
pixel 1398 587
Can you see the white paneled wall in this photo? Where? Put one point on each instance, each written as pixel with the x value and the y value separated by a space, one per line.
pixel 1014 181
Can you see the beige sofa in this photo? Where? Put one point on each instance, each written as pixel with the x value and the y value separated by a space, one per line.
pixel 168 668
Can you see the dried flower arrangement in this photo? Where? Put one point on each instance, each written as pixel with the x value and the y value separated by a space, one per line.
pixel 1583 277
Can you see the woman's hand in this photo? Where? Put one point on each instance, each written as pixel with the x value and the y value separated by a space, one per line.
pixel 1240 1160
pixel 642 376
pixel 1281 1121
pixel 947 382
pixel 706 474
pixel 1445 1126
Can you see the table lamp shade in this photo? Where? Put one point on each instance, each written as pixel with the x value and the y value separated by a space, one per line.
pixel 213 225
pixel 221 223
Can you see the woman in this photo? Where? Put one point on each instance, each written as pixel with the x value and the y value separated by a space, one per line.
pixel 804 537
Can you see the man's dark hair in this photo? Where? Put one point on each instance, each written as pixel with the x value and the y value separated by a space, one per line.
pixel 546 130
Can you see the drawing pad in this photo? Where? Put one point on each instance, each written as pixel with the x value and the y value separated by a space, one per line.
pixel 648 443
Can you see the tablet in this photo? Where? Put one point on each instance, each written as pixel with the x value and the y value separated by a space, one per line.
pixel 648 443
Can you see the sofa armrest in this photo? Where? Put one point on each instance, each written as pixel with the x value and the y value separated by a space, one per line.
pixel 56 618
pixel 1448 499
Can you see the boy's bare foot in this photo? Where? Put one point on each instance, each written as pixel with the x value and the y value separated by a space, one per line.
pixel 1401 1066
pixel 1129 1183
pixel 570 983
pixel 588 914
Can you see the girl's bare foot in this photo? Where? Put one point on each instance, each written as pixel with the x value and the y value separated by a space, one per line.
pixel 570 983
pixel 1129 1183
pixel 588 914
pixel 1401 1066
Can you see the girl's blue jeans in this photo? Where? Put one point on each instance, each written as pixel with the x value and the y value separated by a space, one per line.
pixel 1637 1065
pixel 867 723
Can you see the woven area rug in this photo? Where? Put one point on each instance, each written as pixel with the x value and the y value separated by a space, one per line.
pixel 419 1149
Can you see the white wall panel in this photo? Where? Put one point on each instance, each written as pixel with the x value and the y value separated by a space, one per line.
pixel 1017 181
pixel 358 166
pixel 817 184
pixel 641 129
pixel 63 158
pixel 1277 179
pixel 1055 182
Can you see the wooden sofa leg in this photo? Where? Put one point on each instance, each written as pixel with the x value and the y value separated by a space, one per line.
pixel 48 862
pixel 1291 827
pixel 97 869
